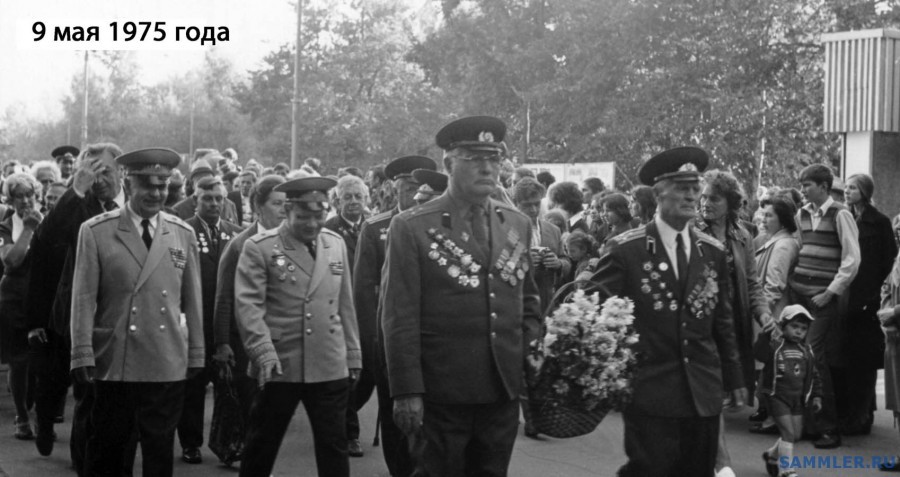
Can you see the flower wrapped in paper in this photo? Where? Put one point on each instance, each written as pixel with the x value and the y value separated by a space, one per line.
pixel 584 367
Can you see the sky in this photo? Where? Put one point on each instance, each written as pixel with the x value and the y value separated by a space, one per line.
pixel 35 76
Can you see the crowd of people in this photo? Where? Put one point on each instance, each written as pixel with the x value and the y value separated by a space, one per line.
pixel 423 282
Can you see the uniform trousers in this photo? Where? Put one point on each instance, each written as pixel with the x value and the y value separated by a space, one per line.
pixel 272 410
pixel 360 393
pixel 670 446
pixel 119 407
pixel 394 445
pixel 190 426
pixel 469 439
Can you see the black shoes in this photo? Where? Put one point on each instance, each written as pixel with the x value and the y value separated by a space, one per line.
pixel 44 440
pixel 760 415
pixel 192 455
pixel 759 428
pixel 354 448
pixel 828 440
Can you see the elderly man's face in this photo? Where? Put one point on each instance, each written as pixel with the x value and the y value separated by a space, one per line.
pixel 351 200
pixel 106 186
pixel 53 196
pixel 45 177
pixel 303 223
pixel 406 189
pixel 210 202
pixel 474 175
pixel 148 195
pixel 677 201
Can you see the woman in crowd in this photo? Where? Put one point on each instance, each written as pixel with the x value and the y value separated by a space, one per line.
pixel 862 346
pixel 720 202
pixel 22 190
pixel 616 214
pixel 643 205
pixel 567 197
pixel 775 259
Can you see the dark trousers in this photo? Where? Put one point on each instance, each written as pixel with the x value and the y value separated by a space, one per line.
pixel 120 407
pixel 190 426
pixel 50 363
pixel 273 408
pixel 394 444
pixel 670 447
pixel 854 390
pixel 822 338
pixel 360 392
pixel 469 439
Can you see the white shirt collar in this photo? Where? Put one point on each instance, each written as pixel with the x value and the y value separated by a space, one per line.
pixel 667 233
pixel 137 219
pixel 575 218
pixel 822 208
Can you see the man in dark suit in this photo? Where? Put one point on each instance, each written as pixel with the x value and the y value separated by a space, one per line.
pixel 241 197
pixel 213 235
pixel 459 307
pixel 199 170
pixel 679 281
pixel 137 329
pixel 96 187
pixel 366 286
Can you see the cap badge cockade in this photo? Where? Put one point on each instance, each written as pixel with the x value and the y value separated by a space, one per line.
pixel 486 136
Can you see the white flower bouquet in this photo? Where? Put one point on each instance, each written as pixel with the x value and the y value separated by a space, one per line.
pixel 584 366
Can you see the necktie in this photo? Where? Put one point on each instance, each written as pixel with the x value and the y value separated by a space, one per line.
pixel 681 257
pixel 479 228
pixel 214 237
pixel 148 239
pixel 312 249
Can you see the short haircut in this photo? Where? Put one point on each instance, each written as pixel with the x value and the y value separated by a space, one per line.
pixel 594 184
pixel 314 163
pixel 546 178
pixel 568 196
pixel 524 172
pixel 581 239
pixel 95 150
pixel 281 166
pixel 348 181
pixel 208 183
pixel 230 153
pixel 784 209
pixel 618 204
pixel 203 152
pixel 527 188
pixel 818 173
pixel 46 166
pixel 20 179
pixel 351 170
pixel 59 184
pixel 248 172
pixel 556 216
pixel 263 189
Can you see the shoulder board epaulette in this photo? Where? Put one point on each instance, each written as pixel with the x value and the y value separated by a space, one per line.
pixel 432 206
pixel 380 216
pixel 331 232
pixel 630 235
pixel 176 221
pixel 264 235
pixel 99 219
pixel 706 238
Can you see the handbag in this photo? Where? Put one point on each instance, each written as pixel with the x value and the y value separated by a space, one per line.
pixel 227 431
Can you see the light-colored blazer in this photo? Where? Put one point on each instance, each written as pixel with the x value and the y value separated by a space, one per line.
pixel 775 260
pixel 136 313
pixel 296 309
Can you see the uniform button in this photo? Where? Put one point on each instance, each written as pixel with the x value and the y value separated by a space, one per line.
pixel 134 311
pixel 132 328
pixel 490 276
pixel 307 300
pixel 309 331
pixel 162 310
pixel 492 295
pixel 309 315
pixel 685 342
pixel 493 334
pixel 162 327
pixel 493 316
pixel 165 293
pixel 684 324
pixel 687 360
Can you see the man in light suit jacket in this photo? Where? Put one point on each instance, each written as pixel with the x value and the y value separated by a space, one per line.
pixel 137 329
pixel 678 279
pixel 295 313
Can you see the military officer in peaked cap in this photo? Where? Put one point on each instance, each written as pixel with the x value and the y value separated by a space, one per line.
pixel 65 159
pixel 137 330
pixel 434 184
pixel 460 306
pixel 366 285
pixel 294 311
pixel 678 280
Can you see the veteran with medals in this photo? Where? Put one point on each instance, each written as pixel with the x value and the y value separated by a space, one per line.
pixel 678 280
pixel 366 286
pixel 137 328
pixel 294 310
pixel 459 308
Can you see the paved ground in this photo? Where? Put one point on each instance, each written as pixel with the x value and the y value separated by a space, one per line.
pixel 598 454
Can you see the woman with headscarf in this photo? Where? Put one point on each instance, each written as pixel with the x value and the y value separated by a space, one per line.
pixel 23 191
pixel 863 341
pixel 720 203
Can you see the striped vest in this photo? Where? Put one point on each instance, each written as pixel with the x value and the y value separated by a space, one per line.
pixel 820 253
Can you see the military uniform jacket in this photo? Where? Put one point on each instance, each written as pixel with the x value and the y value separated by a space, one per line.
pixel 687 346
pixel 136 313
pixel 296 309
pixel 457 323
pixel 209 253
pixel 370 252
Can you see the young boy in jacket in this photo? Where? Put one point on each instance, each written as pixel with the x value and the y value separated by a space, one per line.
pixel 789 382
